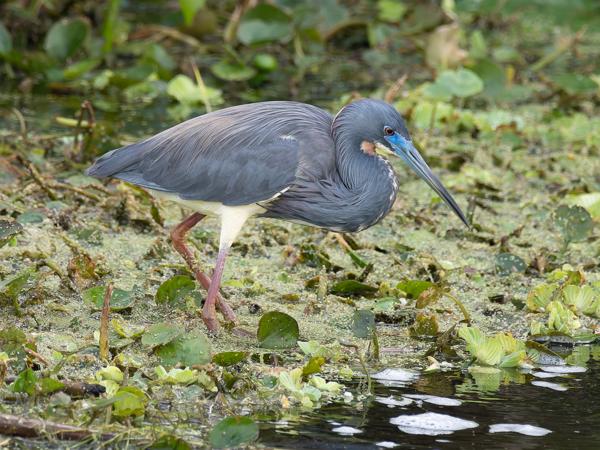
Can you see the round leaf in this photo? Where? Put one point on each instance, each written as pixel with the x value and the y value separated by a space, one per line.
pixel 277 330
pixel 188 350
pixel 233 431
pixel 225 359
pixel 232 71
pixel 65 38
pixel 574 222
pixel 507 263
pixel 175 289
pixel 363 323
pixel 119 301
pixel 160 334
pixel 264 23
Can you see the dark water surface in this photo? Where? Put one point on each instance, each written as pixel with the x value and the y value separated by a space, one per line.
pixel 571 415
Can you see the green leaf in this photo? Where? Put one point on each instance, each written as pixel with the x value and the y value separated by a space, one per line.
pixel 574 222
pixel 539 297
pixel 460 83
pixel 507 263
pixel 160 334
pixel 50 385
pixel 575 83
pixel 265 62
pixel 313 365
pixel 413 288
pixel 169 442
pixel 473 336
pixel 264 23
pixel 5 40
pixel 391 10
pixel 119 301
pixel 80 68
pixel 65 37
pixel 352 287
pixel 189 8
pixel 30 217
pixel 25 382
pixel 233 431
pixel 188 350
pixel 277 330
pixel 235 71
pixel 176 376
pixel 175 290
pixel 186 92
pixel 226 359
pixel 584 298
pixel 129 401
pixel 363 323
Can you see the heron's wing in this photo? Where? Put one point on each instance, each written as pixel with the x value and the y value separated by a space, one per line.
pixel 234 156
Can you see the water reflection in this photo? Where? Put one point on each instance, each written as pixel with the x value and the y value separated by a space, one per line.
pixel 492 409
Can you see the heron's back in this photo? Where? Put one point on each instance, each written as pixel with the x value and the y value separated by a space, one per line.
pixel 235 156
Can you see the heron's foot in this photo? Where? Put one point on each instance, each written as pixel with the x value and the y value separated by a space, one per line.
pixel 209 317
pixel 226 310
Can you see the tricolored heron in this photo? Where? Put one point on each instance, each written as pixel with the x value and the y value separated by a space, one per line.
pixel 284 160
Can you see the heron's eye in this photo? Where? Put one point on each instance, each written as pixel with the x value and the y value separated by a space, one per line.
pixel 388 131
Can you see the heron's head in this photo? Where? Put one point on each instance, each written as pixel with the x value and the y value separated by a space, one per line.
pixel 382 130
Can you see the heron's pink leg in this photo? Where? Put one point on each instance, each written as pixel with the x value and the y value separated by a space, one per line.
pixel 178 239
pixel 208 312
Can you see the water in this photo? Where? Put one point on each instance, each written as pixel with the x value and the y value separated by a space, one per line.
pixel 565 419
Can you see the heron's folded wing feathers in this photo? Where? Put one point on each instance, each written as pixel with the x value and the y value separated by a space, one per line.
pixel 198 166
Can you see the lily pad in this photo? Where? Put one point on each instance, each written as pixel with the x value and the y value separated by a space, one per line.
pixel 232 71
pixel 188 350
pixel 264 23
pixel 65 37
pixel 363 323
pixel 507 263
pixel 161 334
pixel 175 290
pixel 277 330
pixel 233 431
pixel 119 301
pixel 574 222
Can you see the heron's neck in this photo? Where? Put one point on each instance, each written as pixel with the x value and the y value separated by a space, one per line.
pixel 370 181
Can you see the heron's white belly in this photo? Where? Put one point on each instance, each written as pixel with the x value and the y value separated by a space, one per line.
pixel 232 217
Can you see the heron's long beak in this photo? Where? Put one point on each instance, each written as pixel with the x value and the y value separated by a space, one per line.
pixel 406 150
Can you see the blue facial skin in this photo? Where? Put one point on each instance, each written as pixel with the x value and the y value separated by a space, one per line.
pixel 405 149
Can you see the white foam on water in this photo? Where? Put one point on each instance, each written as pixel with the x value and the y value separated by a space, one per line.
pixel 528 430
pixel 553 386
pixel 346 431
pixel 431 424
pixel 563 369
pixel 392 402
pixel 441 401
pixel 386 444
pixel 545 374
pixel 395 377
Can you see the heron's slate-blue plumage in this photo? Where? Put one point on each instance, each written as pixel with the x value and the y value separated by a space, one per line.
pixel 284 160
pixel 250 153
